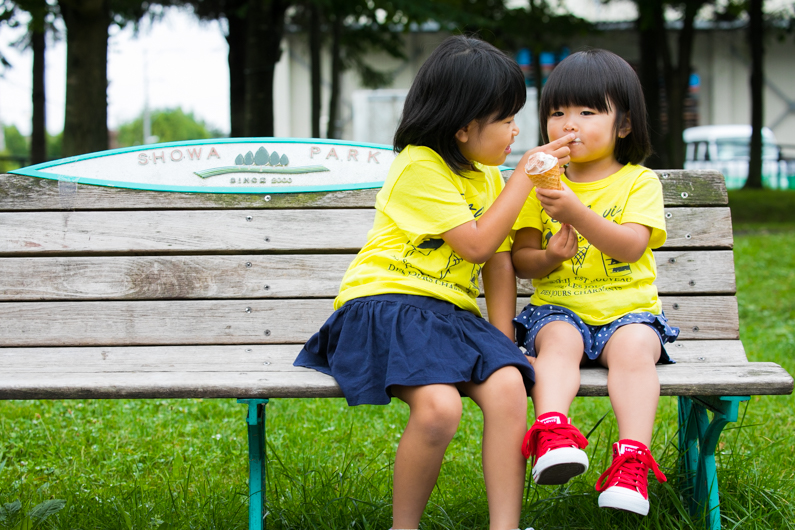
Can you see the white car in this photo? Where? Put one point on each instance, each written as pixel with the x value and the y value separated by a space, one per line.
pixel 727 147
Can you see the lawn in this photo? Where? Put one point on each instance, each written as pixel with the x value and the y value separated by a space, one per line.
pixel 180 464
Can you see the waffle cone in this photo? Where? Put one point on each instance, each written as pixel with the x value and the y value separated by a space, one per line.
pixel 548 180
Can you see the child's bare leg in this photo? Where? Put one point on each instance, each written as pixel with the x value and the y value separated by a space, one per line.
pixel 503 400
pixel 435 411
pixel 630 356
pixel 560 352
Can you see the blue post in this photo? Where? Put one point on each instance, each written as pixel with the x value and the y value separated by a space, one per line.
pixel 255 418
pixel 698 438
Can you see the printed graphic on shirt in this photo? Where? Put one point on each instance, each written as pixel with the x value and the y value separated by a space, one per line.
pixel 583 246
pixel 434 249
pixel 586 280
pixel 433 255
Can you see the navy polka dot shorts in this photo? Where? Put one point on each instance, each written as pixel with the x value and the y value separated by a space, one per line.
pixel 533 318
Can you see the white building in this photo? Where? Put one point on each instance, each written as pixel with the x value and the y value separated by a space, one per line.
pixel 720 61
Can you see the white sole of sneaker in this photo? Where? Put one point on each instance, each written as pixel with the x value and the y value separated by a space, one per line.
pixel 559 466
pixel 619 498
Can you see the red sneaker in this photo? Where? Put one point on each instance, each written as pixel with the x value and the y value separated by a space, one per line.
pixel 557 447
pixel 624 486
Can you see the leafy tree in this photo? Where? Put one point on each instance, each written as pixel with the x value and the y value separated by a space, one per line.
pixel 264 31
pixel 54 146
pixel 352 29
pixel 657 63
pixel 16 150
pixel 235 13
pixel 41 18
pixel 86 111
pixel 169 125
pixel 551 29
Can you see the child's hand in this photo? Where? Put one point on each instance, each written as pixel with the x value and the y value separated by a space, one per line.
pixel 558 148
pixel 563 245
pixel 562 205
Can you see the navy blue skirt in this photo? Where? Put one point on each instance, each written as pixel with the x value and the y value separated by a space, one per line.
pixel 374 342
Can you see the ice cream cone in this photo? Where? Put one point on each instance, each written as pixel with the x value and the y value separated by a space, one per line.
pixel 548 180
pixel 544 171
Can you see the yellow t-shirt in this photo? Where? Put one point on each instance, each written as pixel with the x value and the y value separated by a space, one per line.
pixel 405 253
pixel 595 286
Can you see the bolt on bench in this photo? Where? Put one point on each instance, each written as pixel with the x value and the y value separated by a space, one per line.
pixel 209 291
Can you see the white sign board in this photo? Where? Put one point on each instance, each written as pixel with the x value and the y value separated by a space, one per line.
pixel 229 165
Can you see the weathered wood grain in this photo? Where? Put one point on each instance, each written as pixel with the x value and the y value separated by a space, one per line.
pixel 18 193
pixel 253 357
pixel 252 321
pixel 675 380
pixel 698 228
pixel 172 277
pixel 268 276
pixel 184 231
pixel 224 231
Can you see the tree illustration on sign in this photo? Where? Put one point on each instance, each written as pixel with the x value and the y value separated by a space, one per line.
pixel 260 162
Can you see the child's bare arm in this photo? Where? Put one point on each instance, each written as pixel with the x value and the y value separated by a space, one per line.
pixel 624 242
pixel 532 261
pixel 499 283
pixel 477 240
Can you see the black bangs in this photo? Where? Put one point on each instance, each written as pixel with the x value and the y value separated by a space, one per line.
pixel 464 79
pixel 578 83
pixel 600 79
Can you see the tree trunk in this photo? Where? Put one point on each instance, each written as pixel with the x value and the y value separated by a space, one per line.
pixel 680 85
pixel 649 39
pixel 314 59
pixel 757 91
pixel 38 136
pixel 333 129
pixel 264 36
pixel 86 112
pixel 237 78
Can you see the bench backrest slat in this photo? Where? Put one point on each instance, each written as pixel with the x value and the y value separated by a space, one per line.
pixel 680 188
pixel 254 321
pixel 192 231
pixel 270 276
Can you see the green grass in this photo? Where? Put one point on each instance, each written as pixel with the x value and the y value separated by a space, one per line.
pixel 182 464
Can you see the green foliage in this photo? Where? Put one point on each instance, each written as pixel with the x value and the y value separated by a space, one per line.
pixel 17 150
pixel 16 144
pixel 169 125
pixel 54 143
pixel 769 207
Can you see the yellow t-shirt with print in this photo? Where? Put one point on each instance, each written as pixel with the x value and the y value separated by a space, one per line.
pixel 595 286
pixel 405 253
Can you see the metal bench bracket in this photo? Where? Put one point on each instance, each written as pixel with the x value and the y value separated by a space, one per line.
pixel 698 438
pixel 257 466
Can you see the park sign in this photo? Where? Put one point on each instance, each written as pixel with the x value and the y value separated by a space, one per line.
pixel 228 165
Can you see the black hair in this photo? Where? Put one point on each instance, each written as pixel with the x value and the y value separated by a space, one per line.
pixel 464 79
pixel 600 79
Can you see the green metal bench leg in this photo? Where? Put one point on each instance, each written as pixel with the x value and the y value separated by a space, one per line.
pixel 698 438
pixel 255 418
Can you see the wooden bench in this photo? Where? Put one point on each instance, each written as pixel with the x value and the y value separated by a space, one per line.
pixel 115 293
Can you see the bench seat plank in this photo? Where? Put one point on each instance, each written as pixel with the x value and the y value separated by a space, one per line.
pixel 254 321
pixel 676 380
pixel 702 187
pixel 269 276
pixel 204 231
pixel 252 357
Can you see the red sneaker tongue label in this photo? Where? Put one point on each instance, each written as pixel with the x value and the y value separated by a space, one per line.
pixel 622 448
pixel 551 419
